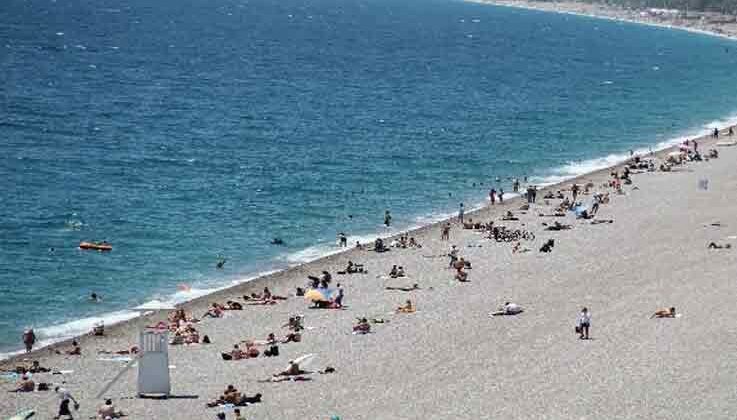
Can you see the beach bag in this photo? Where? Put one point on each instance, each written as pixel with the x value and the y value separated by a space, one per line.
pixel 43 386
pixel 226 356
pixel 578 329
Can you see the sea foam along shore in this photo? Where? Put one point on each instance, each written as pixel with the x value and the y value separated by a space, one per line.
pixel 64 332
pixel 620 269
pixel 723 28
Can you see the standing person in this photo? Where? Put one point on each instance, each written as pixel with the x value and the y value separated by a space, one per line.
pixel 343 240
pixel 529 195
pixel 716 133
pixel 534 193
pixel 29 339
pixel 515 185
pixel 453 254
pixel 574 190
pixel 387 218
pixel 501 196
pixel 65 397
pixel 584 323
pixel 492 196
pixel 445 232
pixel 460 213
pixel 695 146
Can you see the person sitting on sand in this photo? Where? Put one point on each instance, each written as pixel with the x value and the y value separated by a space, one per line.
pixel 107 410
pixel 664 313
pixel 548 246
pixel 235 354
pixel 393 272
pixel 509 308
pixel 404 289
pixel 362 327
pixel 461 275
pixel 233 306
pixel 215 311
pixel 36 368
pixel 294 323
pixel 714 245
pixel 379 245
pixel 407 308
pixel 510 217
pixel 26 384
pixel 518 249
pixel 413 243
pixel 292 370
pixel 76 350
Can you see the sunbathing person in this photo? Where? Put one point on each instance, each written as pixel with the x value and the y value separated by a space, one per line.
pixel 664 313
pixel 36 368
pixel 517 248
pixel 510 216
pixel 107 410
pixel 407 308
pixel 404 289
pixel 352 268
pixel 132 350
pixel 26 384
pixel 362 327
pixel 233 306
pixel 714 245
pixel 548 246
pixel 215 311
pixel 558 226
pixel 461 276
pixel 76 350
pixel 509 308
pixel 292 370
pixel 600 221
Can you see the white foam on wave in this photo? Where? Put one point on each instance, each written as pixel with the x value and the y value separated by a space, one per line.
pixel 575 169
pixel 67 330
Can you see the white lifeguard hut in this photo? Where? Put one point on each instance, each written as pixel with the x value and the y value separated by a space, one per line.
pixel 153 364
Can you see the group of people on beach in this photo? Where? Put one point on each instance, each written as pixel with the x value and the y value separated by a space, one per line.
pixel 183 328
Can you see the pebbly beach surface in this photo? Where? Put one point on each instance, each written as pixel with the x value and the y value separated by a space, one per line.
pixel 709 23
pixel 452 359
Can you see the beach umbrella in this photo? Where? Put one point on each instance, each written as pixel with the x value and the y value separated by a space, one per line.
pixel 317 295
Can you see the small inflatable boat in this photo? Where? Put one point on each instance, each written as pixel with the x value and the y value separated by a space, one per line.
pixel 97 246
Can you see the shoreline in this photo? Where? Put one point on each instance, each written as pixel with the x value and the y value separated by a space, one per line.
pixel 562 7
pixel 618 14
pixel 271 278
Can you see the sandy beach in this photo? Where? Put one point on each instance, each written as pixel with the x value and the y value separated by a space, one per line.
pixel 451 359
pixel 707 23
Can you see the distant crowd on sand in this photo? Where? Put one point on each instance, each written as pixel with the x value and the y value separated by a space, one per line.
pixel 322 292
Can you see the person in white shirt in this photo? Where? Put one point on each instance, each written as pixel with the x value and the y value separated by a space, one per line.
pixel 584 323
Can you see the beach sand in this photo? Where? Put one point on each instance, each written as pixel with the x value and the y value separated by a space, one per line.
pixel 715 24
pixel 450 359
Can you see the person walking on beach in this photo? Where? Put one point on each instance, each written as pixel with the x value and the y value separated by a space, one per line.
pixel 65 397
pixel 695 146
pixel 453 254
pixel 501 196
pixel 29 339
pixel 492 196
pixel 387 218
pixel 584 323
pixel 460 213
pixel 574 191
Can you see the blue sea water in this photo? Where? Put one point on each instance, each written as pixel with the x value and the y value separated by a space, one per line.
pixel 180 131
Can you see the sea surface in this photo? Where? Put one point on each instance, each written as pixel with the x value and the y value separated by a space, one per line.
pixel 184 131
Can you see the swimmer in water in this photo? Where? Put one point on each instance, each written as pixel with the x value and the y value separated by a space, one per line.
pixel 277 241
pixel 221 263
pixel 94 297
